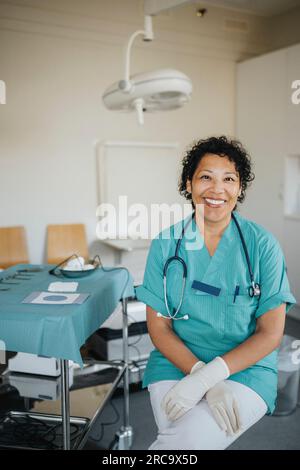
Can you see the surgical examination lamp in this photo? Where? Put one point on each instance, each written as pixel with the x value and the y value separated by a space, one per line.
pixel 158 90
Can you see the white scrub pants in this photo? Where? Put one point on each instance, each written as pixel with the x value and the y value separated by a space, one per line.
pixel 197 429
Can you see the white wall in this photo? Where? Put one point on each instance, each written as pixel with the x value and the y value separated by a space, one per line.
pixel 269 125
pixel 57 57
pixel 261 117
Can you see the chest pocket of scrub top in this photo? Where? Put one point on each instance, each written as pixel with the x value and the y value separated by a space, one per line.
pixel 239 318
pixel 207 313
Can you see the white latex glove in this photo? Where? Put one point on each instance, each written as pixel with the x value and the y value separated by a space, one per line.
pixel 190 390
pixel 224 407
pixel 196 366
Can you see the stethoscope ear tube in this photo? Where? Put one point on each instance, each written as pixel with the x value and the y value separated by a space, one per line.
pixel 173 315
pixel 170 260
pixel 254 290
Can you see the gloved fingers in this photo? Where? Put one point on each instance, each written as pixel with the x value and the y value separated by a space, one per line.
pixel 218 418
pixel 169 406
pixel 165 402
pixel 226 419
pixel 175 412
pixel 181 412
pixel 232 417
pixel 237 414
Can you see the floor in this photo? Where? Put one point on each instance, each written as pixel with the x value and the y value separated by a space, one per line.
pixel 270 433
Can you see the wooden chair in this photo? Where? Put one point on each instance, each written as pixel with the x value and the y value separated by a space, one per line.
pixel 13 246
pixel 65 240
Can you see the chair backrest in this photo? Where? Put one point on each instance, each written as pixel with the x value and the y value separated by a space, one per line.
pixel 13 246
pixel 65 240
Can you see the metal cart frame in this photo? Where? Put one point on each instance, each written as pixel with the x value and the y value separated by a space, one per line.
pixel 125 435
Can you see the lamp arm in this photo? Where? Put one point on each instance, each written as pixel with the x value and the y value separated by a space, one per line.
pixel 128 51
pixel 125 84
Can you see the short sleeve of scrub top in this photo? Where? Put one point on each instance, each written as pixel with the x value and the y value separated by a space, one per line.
pixel 273 272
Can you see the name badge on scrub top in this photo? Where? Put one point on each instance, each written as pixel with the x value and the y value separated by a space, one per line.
pixel 206 288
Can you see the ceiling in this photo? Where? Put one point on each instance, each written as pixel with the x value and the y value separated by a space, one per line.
pixel 258 7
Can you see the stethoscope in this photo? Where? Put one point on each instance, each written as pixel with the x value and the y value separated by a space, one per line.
pixel 254 289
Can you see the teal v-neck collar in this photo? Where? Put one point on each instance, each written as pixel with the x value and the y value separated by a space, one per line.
pixel 213 263
pixel 222 252
pixel 222 240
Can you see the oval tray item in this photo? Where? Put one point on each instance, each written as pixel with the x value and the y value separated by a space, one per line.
pixel 80 273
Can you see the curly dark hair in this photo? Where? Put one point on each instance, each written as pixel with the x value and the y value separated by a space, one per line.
pixel 224 147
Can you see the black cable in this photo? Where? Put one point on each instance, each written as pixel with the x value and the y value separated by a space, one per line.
pixel 136 341
pixel 141 333
pixel 27 431
pixel 139 370
pixel 129 316
pixel 121 297
pixel 119 268
pixel 138 353
pixel 98 439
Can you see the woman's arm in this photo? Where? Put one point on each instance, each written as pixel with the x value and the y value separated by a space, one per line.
pixel 168 343
pixel 267 337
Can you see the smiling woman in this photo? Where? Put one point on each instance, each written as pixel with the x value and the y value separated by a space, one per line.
pixel 214 375
pixel 216 173
pixel 232 150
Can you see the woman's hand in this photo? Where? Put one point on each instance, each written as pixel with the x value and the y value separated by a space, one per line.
pixel 191 389
pixel 224 407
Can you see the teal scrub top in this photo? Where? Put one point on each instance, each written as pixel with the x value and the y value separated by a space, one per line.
pixel 217 323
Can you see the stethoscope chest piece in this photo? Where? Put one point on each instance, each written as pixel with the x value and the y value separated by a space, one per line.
pixel 254 290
